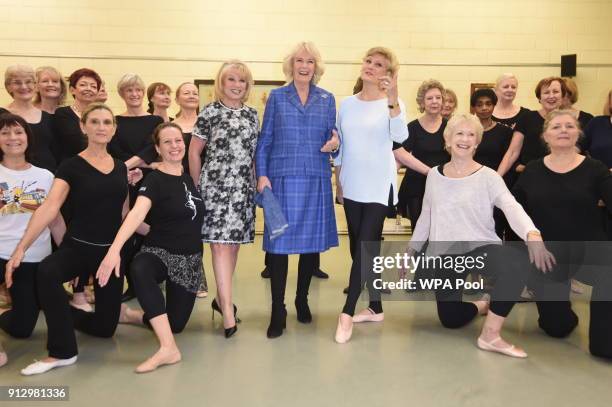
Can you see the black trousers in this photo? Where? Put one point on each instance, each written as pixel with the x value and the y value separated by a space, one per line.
pixel 279 264
pixel 74 259
pixel 365 224
pixel 510 268
pixel 556 316
pixel 148 271
pixel 20 320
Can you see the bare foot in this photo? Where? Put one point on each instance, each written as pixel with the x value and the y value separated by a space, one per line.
pixel 89 295
pixel 130 316
pixel 164 356
pixel 80 301
pixel 3 357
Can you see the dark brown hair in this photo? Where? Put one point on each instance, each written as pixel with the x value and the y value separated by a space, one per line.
pixel 11 120
pixel 154 87
pixel 82 73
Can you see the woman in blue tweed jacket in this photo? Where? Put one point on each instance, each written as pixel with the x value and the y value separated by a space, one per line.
pixel 293 159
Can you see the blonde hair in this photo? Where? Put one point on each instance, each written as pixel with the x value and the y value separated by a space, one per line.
pixel 312 50
pixel 458 119
pixel 449 92
pixel 425 87
pixel 242 69
pixel 572 90
pixel 63 86
pixel 503 77
pixel 388 55
pixel 14 71
pixel 130 79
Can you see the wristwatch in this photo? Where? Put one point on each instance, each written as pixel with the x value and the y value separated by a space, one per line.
pixel 393 106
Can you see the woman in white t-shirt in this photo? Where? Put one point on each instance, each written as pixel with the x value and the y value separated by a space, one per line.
pixel 23 187
pixel 368 122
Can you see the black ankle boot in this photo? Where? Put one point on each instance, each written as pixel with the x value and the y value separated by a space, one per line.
pixel 303 310
pixel 278 322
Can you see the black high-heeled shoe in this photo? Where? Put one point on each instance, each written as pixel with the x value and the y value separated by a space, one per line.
pixel 215 307
pixel 229 332
pixel 278 322
pixel 303 310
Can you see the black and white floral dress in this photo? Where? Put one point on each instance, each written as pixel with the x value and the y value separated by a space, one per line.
pixel 227 180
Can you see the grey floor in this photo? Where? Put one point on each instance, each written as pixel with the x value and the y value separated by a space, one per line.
pixel 409 359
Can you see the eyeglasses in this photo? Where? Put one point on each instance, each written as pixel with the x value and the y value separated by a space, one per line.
pixel 28 83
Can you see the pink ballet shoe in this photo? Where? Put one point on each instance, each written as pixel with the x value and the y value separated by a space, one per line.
pixel 343 335
pixel 511 350
pixel 367 315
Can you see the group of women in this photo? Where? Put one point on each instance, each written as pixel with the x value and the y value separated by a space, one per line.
pixel 137 194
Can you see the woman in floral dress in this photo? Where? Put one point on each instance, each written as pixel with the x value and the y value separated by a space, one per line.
pixel 228 129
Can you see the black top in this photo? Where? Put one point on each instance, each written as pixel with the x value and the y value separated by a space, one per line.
pixel 134 137
pixel 494 144
pixel 3 110
pixel 67 131
pixel 564 206
pixel 531 125
pixel 176 213
pixel 45 149
pixel 598 139
pixel 96 199
pixel 584 118
pixel 428 148
pixel 511 121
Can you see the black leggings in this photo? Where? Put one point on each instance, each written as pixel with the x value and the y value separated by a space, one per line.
pixel 148 271
pixel 20 320
pixel 556 317
pixel 279 264
pixel 508 265
pixel 74 259
pixel 365 224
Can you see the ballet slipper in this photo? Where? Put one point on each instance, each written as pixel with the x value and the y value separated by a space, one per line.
pixel 510 350
pixel 368 315
pixel 164 356
pixel 343 335
pixel 39 366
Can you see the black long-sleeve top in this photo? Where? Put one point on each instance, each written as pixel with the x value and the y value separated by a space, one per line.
pixel 563 206
pixel 134 138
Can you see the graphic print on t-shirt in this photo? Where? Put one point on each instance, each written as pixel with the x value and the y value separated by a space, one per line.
pixel 190 204
pixel 24 198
